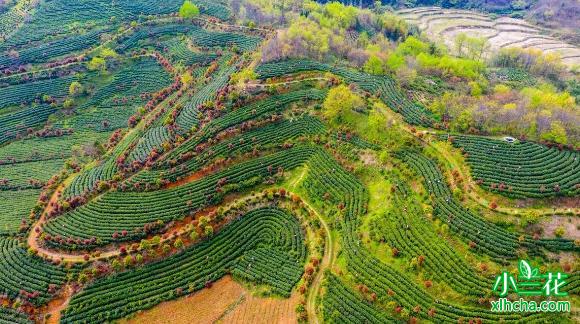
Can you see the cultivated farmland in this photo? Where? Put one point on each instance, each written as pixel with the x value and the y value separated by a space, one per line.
pixel 247 162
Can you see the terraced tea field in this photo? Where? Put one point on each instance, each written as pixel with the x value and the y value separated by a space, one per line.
pixel 521 169
pixel 154 167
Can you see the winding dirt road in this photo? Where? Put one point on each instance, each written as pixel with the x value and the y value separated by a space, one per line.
pixel 327 261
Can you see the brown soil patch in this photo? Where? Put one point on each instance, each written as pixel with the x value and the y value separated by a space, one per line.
pixel 185 180
pixel 225 302
pixel 569 223
pixel 368 158
pixel 204 306
pixel 559 202
pixel 263 310
pixel 56 306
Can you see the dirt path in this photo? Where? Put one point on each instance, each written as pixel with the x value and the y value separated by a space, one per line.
pixel 239 27
pixel 32 239
pixel 265 85
pixel 327 261
pixel 56 306
pixel 294 184
pixel 187 179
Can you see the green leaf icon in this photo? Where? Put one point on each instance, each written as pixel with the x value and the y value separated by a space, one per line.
pixel 525 269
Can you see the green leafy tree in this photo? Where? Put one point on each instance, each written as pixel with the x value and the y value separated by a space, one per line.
pixel 377 123
pixel 188 10
pixel 155 240
pixel 193 235
pixel 116 265
pixel 374 65
pixel 547 97
pixel 128 261
pixel 363 39
pixel 461 67
pixel 208 230
pixel 68 103
pixel 203 220
pixel 186 78
pixel 314 38
pixel 395 61
pixel 97 63
pixel 344 16
pixel 46 98
pixel 475 89
pixel 557 133
pixel 75 88
pixel 244 76
pixel 107 52
pixel 145 245
pixel 476 47
pixel 412 46
pixel 459 42
pixel 339 102
pixel 560 231
pixel 463 122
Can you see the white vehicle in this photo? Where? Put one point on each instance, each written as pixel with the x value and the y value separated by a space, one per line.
pixel 509 139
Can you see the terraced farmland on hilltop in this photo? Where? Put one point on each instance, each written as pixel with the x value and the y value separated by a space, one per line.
pixel 501 32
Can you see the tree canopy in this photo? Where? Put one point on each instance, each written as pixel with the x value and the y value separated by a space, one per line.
pixel 75 88
pixel 374 65
pixel 97 63
pixel 340 102
pixel 188 10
